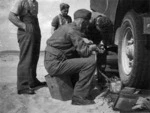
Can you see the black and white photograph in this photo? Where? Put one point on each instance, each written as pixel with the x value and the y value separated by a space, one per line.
pixel 74 56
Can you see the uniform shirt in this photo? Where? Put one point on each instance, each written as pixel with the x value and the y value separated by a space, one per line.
pixel 22 7
pixel 68 39
pixel 60 20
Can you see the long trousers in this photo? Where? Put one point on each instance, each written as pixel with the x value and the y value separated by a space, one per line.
pixel 29 44
pixel 84 66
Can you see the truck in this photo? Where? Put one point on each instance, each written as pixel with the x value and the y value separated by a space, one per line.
pixel 131 35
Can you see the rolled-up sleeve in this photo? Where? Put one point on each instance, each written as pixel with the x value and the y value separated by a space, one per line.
pixel 78 42
pixel 17 6
pixel 55 22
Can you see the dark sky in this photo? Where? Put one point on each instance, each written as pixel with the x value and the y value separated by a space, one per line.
pixel 47 10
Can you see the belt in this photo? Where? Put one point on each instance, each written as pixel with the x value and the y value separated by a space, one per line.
pixel 58 54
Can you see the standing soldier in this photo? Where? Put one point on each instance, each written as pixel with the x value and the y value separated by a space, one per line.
pixel 24 16
pixel 62 18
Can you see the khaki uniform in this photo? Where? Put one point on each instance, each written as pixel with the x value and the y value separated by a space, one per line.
pixel 60 58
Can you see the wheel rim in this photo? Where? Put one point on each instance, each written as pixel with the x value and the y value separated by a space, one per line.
pixel 127 50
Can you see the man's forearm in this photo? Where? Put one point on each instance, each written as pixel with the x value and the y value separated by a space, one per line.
pixel 15 20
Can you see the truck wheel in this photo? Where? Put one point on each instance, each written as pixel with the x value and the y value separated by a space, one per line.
pixel 132 58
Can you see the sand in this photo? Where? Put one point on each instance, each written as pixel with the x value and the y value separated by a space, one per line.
pixel 41 102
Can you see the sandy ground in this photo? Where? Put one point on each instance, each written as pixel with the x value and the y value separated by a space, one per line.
pixel 41 102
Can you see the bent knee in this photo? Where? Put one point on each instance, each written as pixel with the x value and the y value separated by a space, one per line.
pixel 92 60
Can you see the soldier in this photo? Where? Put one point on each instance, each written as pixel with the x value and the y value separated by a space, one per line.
pixel 62 18
pixel 100 31
pixel 60 59
pixel 24 16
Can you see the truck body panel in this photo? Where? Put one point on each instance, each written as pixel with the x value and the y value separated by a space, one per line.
pixel 106 7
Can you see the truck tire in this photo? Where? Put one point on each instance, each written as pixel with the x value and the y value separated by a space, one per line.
pixel 132 53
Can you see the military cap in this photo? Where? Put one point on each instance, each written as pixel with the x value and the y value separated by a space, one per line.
pixel 63 6
pixel 82 13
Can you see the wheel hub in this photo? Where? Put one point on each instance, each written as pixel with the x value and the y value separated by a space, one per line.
pixel 128 51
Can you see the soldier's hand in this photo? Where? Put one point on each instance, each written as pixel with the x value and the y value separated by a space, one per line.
pixel 100 50
pixel 92 47
pixel 87 41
